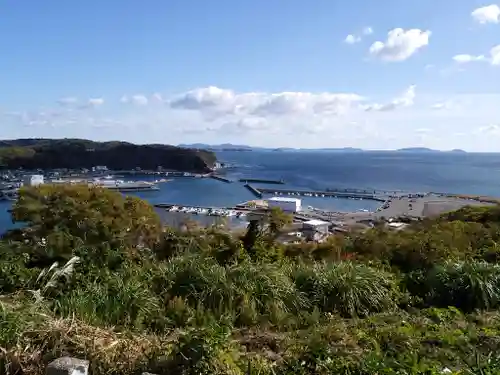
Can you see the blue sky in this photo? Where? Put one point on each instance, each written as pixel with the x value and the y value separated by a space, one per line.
pixel 321 73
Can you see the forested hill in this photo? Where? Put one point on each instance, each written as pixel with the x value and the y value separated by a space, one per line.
pixel 82 153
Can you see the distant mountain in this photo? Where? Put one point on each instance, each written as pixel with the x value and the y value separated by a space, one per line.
pixel 427 150
pixel 344 149
pixel 84 153
pixel 221 147
pixel 416 149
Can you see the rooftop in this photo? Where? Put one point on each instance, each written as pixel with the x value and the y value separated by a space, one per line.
pixel 316 222
pixel 284 199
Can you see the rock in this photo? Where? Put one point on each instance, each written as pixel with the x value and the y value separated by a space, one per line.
pixel 68 366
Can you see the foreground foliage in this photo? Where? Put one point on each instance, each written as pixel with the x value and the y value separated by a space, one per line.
pixel 422 301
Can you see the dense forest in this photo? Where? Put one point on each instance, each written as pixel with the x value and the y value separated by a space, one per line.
pixel 80 153
pixel 94 275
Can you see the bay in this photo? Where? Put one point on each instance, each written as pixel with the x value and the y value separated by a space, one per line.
pixel 468 173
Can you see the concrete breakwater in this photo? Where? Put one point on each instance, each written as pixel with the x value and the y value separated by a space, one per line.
pixel 254 191
pixel 221 178
pixel 261 181
pixel 313 193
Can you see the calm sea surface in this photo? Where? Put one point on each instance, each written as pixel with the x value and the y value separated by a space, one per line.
pixel 417 172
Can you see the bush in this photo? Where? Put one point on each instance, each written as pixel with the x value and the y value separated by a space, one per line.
pixel 203 351
pixel 249 292
pixel 347 288
pixel 61 218
pixel 466 285
pixel 122 299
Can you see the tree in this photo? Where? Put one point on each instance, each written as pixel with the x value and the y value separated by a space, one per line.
pixel 277 220
pixel 59 218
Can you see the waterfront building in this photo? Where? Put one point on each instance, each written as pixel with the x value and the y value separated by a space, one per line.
pixel 99 168
pixel 316 226
pixel 286 204
pixel 33 180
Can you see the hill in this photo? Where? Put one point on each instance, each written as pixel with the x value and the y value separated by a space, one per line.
pixel 221 147
pixel 83 153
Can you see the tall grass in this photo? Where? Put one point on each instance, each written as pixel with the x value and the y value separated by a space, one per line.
pixel 247 291
pixel 347 288
pixel 118 300
pixel 466 285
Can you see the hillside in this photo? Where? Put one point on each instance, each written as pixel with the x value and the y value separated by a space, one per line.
pixel 82 153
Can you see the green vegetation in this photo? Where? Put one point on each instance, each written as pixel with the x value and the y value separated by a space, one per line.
pixel 81 153
pixel 93 275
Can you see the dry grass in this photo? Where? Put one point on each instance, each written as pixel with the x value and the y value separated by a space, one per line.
pixel 41 338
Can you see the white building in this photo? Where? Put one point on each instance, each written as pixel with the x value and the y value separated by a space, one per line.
pixel 33 180
pixel 316 226
pixel 286 204
pixel 99 168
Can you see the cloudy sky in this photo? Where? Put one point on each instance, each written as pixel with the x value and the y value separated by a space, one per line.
pixel 283 73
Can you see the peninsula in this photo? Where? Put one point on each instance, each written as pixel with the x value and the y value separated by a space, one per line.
pixel 83 153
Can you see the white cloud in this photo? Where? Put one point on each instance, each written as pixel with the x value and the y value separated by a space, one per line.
pixel 352 39
pixel 157 97
pixel 276 119
pixel 368 30
pixel 95 102
pixel 464 58
pixel 207 97
pixel 493 59
pixel 487 14
pixel 406 99
pixel 222 101
pixel 69 100
pixel 441 105
pixel 400 44
pixel 495 55
pixel 489 130
pixel 356 38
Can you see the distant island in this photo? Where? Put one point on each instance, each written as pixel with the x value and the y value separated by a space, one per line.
pixel 221 147
pixel 426 150
pixel 246 148
pixel 83 153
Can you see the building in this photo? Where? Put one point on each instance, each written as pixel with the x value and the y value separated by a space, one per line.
pixel 286 204
pixel 99 168
pixel 319 226
pixel 33 180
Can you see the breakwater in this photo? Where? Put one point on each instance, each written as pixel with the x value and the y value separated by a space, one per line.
pixel 254 191
pixel 313 193
pixel 220 178
pixel 261 181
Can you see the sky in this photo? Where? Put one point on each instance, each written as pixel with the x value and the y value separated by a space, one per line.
pixel 283 73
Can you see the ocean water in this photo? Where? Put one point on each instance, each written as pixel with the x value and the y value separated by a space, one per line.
pixel 416 172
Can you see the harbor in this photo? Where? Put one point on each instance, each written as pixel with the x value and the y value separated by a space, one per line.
pixel 262 181
pixel 345 193
pixel 233 199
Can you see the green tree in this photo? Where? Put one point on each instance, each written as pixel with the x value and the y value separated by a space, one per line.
pixel 60 218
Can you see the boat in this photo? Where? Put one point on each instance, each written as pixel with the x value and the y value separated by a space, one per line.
pixel 121 185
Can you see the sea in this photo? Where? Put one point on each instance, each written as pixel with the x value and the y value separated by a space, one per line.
pixel 465 173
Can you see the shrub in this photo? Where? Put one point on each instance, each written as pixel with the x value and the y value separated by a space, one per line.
pixel 118 299
pixel 203 351
pixel 61 218
pixel 348 288
pixel 466 285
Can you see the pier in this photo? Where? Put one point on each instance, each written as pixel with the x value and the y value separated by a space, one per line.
pixel 262 181
pixel 385 193
pixel 313 193
pixel 254 191
pixel 220 178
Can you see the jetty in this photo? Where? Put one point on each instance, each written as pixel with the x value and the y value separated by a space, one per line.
pixel 262 181
pixel 220 178
pixel 313 193
pixel 254 191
